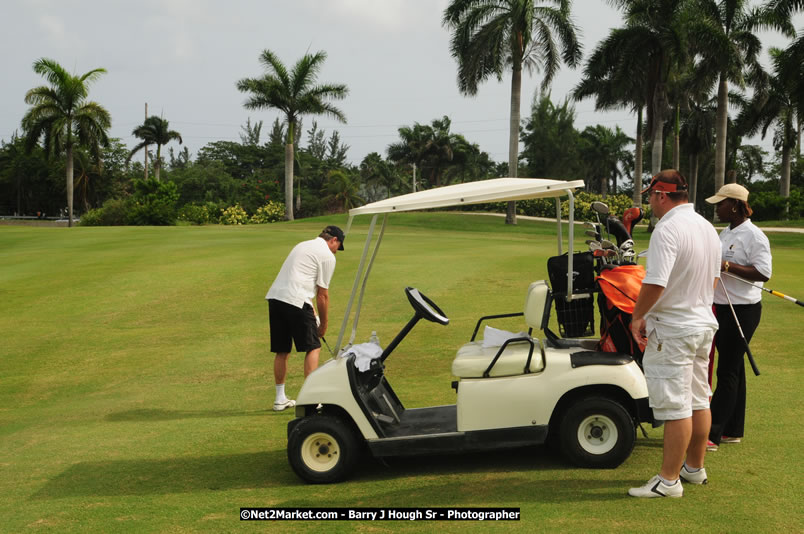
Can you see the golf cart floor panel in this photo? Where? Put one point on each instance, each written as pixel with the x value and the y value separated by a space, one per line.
pixel 424 421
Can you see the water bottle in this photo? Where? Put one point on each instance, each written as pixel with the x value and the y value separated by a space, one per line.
pixel 374 339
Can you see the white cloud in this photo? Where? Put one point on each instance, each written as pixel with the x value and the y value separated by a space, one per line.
pixel 385 15
pixel 54 28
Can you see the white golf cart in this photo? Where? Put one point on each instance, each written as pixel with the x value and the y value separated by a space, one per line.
pixel 523 392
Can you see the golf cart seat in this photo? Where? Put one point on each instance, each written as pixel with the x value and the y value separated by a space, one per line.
pixel 516 356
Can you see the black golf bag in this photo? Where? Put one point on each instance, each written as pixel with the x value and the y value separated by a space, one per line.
pixel 576 318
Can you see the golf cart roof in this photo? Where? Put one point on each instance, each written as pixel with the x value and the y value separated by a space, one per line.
pixel 494 190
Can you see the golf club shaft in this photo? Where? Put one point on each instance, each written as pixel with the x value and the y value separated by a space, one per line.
pixel 328 347
pixel 740 328
pixel 771 291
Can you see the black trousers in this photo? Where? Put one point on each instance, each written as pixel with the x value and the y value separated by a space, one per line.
pixel 728 401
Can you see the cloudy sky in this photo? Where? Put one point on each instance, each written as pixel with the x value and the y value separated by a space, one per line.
pixel 183 57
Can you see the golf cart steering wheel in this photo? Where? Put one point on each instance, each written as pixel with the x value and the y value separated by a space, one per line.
pixel 425 307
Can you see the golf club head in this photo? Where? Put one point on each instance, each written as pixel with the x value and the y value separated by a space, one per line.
pixel 605 243
pixel 626 245
pixel 592 234
pixel 643 254
pixel 600 207
pixel 595 245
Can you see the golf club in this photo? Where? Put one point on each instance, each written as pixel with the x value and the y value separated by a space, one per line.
pixel 602 209
pixel 328 347
pixel 605 243
pixel 763 288
pixel 593 234
pixel 740 328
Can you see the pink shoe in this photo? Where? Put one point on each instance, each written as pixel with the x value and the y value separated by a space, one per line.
pixel 711 446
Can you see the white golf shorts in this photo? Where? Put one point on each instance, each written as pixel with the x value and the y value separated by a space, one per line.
pixel 676 371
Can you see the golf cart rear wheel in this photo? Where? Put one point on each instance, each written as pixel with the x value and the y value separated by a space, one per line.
pixel 322 449
pixel 597 432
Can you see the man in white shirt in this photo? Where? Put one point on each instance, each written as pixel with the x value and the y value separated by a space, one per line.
pixel 674 312
pixel 304 276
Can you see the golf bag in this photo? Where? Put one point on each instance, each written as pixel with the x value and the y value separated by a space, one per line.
pixel 619 289
pixel 576 318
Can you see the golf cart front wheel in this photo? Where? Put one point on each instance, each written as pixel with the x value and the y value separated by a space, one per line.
pixel 322 449
pixel 597 432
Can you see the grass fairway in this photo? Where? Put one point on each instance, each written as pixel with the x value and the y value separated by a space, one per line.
pixel 136 386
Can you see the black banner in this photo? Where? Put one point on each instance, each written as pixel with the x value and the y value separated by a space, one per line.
pixel 379 514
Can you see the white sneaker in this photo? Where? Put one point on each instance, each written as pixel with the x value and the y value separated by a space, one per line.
pixel 693 477
pixel 656 488
pixel 284 405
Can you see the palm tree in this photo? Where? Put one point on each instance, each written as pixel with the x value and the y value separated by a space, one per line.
pixel 342 190
pixel 778 104
pixel 652 45
pixel 154 131
pixel 412 147
pixel 376 172
pixel 89 170
pixel 61 115
pixel 490 36
pixel 724 38
pixel 606 153
pixel 429 147
pixel 697 132
pixel 294 93
pixel 616 84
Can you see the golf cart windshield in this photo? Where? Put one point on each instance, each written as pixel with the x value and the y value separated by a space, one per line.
pixel 495 190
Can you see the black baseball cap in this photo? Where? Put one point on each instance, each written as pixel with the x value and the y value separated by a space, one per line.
pixel 334 231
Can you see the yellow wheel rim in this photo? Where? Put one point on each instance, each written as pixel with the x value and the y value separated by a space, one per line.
pixel 320 451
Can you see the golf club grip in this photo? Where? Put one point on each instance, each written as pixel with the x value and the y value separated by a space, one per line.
pixel 751 359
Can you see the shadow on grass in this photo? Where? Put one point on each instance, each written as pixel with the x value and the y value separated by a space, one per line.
pixel 156 414
pixel 170 475
pixel 517 476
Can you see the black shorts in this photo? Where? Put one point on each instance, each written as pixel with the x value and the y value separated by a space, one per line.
pixel 292 324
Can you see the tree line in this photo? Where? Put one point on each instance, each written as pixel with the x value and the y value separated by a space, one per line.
pixel 676 64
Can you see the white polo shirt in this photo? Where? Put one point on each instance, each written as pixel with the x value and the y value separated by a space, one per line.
pixel 744 245
pixel 309 264
pixel 684 258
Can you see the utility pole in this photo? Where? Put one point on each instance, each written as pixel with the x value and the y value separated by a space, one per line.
pixel 414 177
pixel 146 146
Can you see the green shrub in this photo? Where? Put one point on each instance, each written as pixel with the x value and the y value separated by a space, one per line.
pixel 153 203
pixel 114 212
pixel 195 214
pixel 770 205
pixel 234 215
pixel 269 213
pixel 546 207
